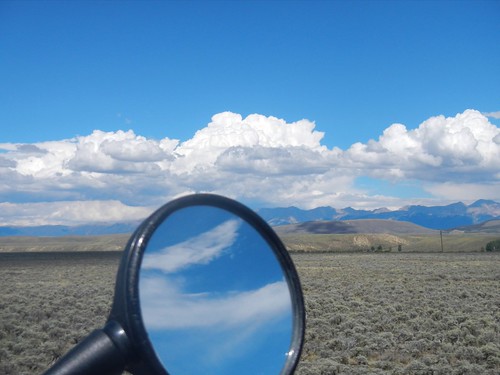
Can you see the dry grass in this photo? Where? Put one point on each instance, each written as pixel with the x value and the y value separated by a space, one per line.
pixel 113 242
pixel 452 242
pixel 401 313
pixel 369 313
pixel 48 302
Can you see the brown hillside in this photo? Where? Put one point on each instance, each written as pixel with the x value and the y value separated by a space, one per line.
pixel 372 226
pixel 492 226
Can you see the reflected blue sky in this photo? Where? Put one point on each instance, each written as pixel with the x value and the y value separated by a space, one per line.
pixel 213 296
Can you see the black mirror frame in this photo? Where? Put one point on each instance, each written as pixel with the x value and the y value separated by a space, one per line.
pixel 126 305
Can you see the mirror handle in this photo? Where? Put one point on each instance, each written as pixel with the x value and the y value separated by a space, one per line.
pixel 102 352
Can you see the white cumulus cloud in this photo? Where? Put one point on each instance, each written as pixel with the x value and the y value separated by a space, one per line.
pixel 229 130
pixel 464 147
pixel 258 159
pixel 69 212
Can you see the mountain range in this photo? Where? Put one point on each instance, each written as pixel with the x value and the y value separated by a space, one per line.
pixel 433 217
pixel 467 218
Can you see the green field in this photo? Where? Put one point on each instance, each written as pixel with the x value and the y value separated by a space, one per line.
pixel 367 313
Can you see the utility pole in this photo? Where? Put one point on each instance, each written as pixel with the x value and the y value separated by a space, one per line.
pixel 441 234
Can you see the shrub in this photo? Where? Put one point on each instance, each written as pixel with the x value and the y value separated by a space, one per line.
pixel 493 245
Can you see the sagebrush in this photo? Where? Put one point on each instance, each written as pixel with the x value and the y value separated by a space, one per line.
pixel 371 313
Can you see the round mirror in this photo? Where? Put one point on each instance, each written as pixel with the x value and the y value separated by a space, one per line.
pixel 204 286
pixel 217 291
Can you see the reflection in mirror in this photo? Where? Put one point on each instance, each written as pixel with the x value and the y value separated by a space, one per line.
pixel 213 296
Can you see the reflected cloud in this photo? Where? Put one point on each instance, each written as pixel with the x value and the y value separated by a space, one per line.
pixel 214 298
pixel 200 249
pixel 165 307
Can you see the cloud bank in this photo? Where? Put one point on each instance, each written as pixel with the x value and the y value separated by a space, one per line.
pixel 261 160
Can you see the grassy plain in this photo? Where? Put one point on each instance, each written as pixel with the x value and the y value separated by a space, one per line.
pixel 114 242
pixel 49 302
pixel 367 313
pixel 452 242
pixel 295 242
pixel 408 313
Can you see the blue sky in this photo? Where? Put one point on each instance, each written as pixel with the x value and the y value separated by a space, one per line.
pixel 164 69
pixel 197 286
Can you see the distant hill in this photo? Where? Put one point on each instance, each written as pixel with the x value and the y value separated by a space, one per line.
pixel 353 226
pixel 114 242
pixel 491 226
pixel 480 216
pixel 384 235
pixel 63 230
pixel 434 217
